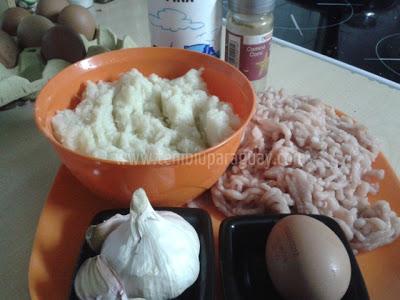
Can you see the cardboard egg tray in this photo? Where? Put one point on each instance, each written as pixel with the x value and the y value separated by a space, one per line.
pixel 23 82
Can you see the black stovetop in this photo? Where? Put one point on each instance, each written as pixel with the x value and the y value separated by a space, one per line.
pixel 362 33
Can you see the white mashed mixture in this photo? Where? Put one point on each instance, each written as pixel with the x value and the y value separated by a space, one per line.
pixel 141 119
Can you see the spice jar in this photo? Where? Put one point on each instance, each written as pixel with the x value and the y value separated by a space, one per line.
pixel 249 25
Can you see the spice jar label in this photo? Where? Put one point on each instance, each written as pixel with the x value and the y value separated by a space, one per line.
pixel 249 53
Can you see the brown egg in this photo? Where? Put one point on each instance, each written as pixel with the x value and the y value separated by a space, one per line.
pixel 11 19
pixel 79 19
pixel 8 50
pixel 31 30
pixel 64 43
pixel 307 260
pixel 51 8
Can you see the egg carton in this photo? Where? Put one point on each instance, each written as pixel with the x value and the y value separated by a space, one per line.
pixel 23 82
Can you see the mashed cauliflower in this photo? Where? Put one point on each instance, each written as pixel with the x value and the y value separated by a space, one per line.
pixel 138 119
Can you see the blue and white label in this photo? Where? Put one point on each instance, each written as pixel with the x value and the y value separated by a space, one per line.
pixel 189 24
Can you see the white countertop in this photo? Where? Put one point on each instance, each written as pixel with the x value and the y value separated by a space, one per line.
pixel 28 164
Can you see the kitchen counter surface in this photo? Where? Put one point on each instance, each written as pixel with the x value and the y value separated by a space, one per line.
pixel 28 164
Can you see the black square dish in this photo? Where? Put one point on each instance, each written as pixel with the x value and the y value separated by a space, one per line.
pixel 242 257
pixel 203 288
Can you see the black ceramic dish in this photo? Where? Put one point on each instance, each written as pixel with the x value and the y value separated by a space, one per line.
pixel 203 288
pixel 242 256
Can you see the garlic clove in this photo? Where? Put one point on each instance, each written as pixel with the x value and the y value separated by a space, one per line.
pixel 96 234
pixel 96 280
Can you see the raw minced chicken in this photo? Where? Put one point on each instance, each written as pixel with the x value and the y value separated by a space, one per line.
pixel 299 156
pixel 140 118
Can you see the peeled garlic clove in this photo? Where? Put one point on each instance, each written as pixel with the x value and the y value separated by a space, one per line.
pixel 96 280
pixel 96 234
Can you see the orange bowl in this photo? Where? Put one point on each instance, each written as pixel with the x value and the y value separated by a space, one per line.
pixel 168 182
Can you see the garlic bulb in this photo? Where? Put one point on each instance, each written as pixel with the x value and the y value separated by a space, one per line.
pixel 149 254
pixel 96 234
pixel 96 280
pixel 155 254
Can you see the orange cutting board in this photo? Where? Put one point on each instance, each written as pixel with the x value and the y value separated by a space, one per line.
pixel 70 207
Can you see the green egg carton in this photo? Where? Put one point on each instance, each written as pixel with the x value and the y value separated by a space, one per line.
pixel 23 82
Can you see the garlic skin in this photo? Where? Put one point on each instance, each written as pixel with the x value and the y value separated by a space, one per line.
pixel 155 254
pixel 96 234
pixel 96 280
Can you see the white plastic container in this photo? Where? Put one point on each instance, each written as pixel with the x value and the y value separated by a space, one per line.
pixel 189 24
pixel 84 3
